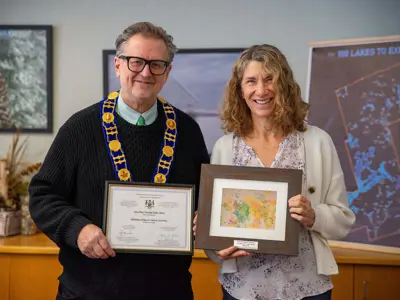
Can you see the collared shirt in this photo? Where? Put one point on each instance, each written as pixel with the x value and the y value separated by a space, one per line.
pixel 130 115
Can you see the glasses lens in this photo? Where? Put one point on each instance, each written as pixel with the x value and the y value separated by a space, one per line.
pixel 157 67
pixel 136 64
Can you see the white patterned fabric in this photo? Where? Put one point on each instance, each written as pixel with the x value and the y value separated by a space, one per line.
pixel 265 277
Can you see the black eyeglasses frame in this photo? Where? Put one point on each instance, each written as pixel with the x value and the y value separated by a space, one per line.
pixel 146 62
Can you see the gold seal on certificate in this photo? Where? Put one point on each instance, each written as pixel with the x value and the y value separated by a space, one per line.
pixel 149 218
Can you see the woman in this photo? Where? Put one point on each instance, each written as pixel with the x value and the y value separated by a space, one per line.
pixel 264 117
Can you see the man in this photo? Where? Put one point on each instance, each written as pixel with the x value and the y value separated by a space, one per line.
pixel 67 195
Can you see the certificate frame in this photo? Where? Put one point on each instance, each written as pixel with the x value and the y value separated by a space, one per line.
pixel 222 189
pixel 188 231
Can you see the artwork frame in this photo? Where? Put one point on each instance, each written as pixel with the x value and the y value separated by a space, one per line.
pixel 212 235
pixel 29 92
pixel 106 56
pixel 195 84
pixel 109 54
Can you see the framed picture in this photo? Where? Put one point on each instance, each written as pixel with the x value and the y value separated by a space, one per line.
pixel 26 78
pixel 247 207
pixel 354 93
pixel 195 84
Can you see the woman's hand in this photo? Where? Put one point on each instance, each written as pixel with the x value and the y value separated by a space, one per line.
pixel 224 254
pixel 301 210
pixel 231 252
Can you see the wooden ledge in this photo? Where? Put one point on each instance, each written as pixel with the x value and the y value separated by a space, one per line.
pixel 28 244
pixel 345 253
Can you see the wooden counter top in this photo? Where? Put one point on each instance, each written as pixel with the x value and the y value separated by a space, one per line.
pixel 28 244
pixel 41 245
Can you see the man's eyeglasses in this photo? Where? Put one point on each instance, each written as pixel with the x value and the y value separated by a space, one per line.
pixel 137 64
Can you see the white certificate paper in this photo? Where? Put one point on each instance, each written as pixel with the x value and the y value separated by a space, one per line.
pixel 149 217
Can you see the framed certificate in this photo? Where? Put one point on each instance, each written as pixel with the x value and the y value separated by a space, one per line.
pixel 248 207
pixel 149 218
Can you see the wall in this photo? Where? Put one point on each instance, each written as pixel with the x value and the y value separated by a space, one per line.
pixel 82 29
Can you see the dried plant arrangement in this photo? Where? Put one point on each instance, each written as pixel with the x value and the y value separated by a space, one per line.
pixel 15 174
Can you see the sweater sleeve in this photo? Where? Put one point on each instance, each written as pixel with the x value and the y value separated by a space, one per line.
pixel 333 217
pixel 51 191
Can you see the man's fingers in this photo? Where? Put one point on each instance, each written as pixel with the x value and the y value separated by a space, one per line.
pixel 106 246
pixel 91 254
pixel 99 251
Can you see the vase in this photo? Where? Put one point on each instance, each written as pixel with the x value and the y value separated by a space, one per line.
pixel 28 227
pixel 10 223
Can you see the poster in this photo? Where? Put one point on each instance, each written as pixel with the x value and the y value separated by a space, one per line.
pixel 354 93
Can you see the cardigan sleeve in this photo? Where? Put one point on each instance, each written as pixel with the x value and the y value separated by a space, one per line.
pixel 333 217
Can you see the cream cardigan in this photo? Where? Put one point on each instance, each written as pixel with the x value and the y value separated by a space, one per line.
pixel 333 218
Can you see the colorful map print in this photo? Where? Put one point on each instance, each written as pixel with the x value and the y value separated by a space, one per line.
pixel 253 209
pixel 354 92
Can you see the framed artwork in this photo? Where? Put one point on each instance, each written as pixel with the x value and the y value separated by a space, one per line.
pixel 26 78
pixel 195 85
pixel 247 207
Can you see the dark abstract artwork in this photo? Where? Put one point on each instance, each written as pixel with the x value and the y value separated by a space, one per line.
pixel 354 93
pixel 195 85
pixel 26 78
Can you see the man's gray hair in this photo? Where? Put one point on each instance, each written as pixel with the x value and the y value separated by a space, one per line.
pixel 149 30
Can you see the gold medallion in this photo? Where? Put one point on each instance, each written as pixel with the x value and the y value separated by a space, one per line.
pixel 160 178
pixel 171 124
pixel 124 174
pixel 114 145
pixel 108 117
pixel 113 95
pixel 168 151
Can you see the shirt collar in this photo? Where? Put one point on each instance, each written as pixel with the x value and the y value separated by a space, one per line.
pixel 130 115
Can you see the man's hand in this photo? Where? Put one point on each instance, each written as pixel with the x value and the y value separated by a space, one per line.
pixel 301 210
pixel 93 243
pixel 231 252
pixel 194 223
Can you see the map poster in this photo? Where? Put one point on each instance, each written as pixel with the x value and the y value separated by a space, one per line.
pixel 354 93
pixel 247 207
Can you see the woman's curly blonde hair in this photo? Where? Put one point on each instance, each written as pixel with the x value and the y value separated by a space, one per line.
pixel 289 109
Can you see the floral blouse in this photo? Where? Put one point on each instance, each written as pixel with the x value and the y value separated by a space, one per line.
pixel 263 276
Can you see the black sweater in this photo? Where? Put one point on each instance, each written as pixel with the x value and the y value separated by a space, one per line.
pixel 68 193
